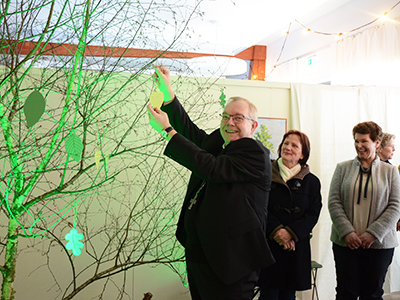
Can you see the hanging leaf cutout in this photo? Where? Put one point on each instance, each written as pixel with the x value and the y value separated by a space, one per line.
pixel 34 108
pixel 157 99
pixel 74 146
pixel 74 244
pixel 222 98
pixel 97 158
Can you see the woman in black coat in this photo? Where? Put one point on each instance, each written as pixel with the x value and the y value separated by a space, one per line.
pixel 293 210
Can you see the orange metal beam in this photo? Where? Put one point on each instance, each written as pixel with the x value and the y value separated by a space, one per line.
pixel 256 54
pixel 99 51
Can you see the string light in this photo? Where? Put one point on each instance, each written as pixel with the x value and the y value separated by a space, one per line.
pixel 283 46
pixel 338 35
pixel 384 17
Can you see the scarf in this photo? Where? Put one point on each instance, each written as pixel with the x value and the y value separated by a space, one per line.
pixel 287 173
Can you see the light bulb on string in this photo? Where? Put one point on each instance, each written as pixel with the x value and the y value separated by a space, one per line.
pixel 384 17
pixel 338 35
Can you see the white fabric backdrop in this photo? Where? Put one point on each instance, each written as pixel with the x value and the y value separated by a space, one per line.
pixel 370 58
pixel 327 114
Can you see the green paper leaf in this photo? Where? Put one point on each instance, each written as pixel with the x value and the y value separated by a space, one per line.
pixel 74 146
pixel 222 98
pixel 74 244
pixel 34 108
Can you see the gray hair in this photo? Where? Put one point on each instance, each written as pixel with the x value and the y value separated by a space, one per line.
pixel 386 138
pixel 252 107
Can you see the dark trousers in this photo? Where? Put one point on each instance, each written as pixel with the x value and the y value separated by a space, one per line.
pixel 205 285
pixel 361 272
pixel 277 294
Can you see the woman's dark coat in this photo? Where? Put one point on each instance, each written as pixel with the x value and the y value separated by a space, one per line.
pixel 295 206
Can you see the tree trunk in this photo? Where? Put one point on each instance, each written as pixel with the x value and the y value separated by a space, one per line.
pixel 7 291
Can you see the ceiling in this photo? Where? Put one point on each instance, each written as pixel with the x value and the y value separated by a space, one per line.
pixel 229 26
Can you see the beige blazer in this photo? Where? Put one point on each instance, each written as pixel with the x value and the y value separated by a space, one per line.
pixel 385 206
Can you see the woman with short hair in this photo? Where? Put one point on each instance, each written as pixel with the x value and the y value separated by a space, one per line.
pixel 364 204
pixel 386 148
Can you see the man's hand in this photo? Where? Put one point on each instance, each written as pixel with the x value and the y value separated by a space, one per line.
pixel 353 241
pixel 157 118
pixel 367 240
pixel 162 78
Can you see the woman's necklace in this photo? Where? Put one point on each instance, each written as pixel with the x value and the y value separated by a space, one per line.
pixel 365 170
pixel 368 172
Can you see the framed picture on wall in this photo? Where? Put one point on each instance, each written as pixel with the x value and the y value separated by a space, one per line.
pixel 270 132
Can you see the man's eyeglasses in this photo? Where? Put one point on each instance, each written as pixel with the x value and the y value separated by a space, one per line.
pixel 238 118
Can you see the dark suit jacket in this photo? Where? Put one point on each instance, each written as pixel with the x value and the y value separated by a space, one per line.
pixel 231 218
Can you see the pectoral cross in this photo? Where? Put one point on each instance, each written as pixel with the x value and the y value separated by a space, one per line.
pixel 194 199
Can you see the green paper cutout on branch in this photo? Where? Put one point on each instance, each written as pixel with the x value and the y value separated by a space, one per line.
pixel 156 99
pixel 34 108
pixel 74 244
pixel 74 147
pixel 222 98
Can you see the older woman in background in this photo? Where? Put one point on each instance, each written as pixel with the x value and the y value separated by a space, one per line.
pixel 293 210
pixel 386 148
pixel 385 152
pixel 364 204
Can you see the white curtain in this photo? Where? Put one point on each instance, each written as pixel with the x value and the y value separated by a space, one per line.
pixel 371 57
pixel 327 114
pixel 286 72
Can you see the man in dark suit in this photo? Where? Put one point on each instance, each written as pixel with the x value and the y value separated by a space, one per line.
pixel 223 218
